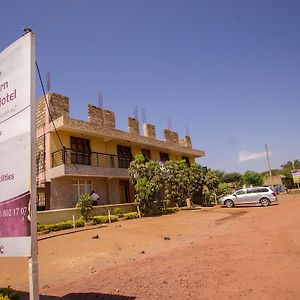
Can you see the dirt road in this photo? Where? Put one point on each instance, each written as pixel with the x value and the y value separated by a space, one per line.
pixel 238 253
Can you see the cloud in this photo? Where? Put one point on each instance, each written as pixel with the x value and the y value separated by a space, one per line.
pixel 245 155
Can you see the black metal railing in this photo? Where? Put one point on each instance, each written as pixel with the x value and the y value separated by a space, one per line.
pixel 68 156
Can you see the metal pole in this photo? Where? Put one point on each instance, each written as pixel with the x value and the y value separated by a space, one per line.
pixel 33 259
pixel 269 167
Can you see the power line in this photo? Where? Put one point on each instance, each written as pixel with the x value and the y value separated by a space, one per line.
pixel 41 13
pixel 51 118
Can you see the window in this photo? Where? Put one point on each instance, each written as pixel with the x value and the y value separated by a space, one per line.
pixel 240 192
pixel 41 201
pixel 146 154
pixel 124 156
pixel 187 160
pixel 163 156
pixel 81 186
pixel 80 151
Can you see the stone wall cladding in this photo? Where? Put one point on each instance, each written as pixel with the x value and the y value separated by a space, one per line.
pixel 95 115
pixel 149 131
pixel 58 105
pixel 94 127
pixel 40 113
pixel 133 126
pixel 186 142
pixel 40 154
pixel 171 136
pixel 109 119
pixel 74 124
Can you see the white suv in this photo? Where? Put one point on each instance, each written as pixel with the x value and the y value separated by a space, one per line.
pixel 263 195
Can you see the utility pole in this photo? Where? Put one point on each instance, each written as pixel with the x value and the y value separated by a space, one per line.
pixel 269 166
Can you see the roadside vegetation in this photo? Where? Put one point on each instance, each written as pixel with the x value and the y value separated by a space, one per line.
pixel 158 184
pixel 161 188
pixel 9 293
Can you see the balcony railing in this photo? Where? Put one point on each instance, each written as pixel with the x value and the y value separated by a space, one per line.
pixel 68 156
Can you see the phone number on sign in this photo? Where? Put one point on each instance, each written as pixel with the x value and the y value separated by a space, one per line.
pixel 14 212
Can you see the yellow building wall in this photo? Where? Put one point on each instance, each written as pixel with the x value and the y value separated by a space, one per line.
pixel 155 154
pixel 55 143
pixel 135 150
pixel 110 147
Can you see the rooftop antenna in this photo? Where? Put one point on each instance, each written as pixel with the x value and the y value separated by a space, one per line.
pixel 144 117
pixel 100 100
pixel 187 131
pixel 169 124
pixel 135 112
pixel 48 82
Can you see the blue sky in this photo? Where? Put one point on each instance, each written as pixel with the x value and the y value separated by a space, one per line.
pixel 229 70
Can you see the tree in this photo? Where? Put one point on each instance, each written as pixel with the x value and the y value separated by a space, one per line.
pixel 220 174
pixel 223 190
pixel 147 180
pixel 233 177
pixel 252 178
pixel 85 204
pixel 212 180
pixel 176 180
pixel 291 164
pixel 210 188
pixel 196 179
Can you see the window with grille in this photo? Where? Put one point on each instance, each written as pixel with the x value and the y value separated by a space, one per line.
pixel 163 156
pixel 80 151
pixel 124 156
pixel 146 153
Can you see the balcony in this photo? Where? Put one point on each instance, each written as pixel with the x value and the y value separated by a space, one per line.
pixel 68 162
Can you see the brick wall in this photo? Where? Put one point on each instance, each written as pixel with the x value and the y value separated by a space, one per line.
pixel 149 131
pixel 40 154
pixel 95 115
pixel 109 119
pixel 171 136
pixel 58 105
pixel 40 113
pixel 133 126
pixel 186 142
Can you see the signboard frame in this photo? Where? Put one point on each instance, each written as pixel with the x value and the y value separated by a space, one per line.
pixel 18 123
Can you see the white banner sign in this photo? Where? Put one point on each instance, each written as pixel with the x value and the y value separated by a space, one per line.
pixel 17 76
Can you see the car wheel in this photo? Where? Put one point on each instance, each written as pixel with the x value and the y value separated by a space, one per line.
pixel 265 202
pixel 229 203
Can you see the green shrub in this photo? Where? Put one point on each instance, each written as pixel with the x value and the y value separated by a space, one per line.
pixel 59 226
pixel 9 294
pixel 118 212
pixel 85 204
pixel 131 215
pixel 170 210
pixel 103 219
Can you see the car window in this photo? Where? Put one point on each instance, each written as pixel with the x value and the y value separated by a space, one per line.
pixel 240 192
pixel 256 190
pixel 263 190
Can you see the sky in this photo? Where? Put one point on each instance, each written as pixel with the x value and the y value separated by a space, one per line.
pixel 225 71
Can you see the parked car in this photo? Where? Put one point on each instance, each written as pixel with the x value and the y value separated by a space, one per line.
pixel 255 195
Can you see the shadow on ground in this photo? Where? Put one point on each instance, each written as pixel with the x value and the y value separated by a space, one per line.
pixel 81 296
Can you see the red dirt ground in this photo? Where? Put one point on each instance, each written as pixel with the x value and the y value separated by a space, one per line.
pixel 238 253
